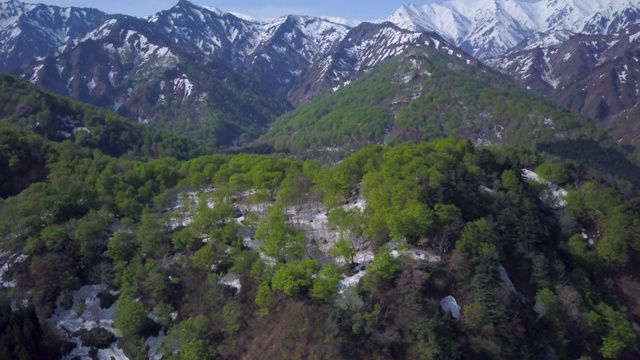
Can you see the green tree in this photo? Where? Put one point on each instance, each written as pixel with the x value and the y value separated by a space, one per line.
pixel 130 317
pixel 555 173
pixel 384 265
pixel 620 335
pixel 325 285
pixel 295 277
pixel 280 239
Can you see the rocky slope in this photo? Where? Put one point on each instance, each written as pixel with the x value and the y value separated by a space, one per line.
pixel 596 75
pixel 490 28
pixel 222 77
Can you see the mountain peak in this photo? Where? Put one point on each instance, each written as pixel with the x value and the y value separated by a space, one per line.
pixel 489 28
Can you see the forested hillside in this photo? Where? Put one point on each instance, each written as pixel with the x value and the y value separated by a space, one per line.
pixel 34 122
pixel 434 250
pixel 422 95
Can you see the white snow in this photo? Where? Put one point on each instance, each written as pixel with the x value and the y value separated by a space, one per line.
pixel 183 84
pixel 231 280
pixel 36 73
pixel 153 343
pixel 417 254
pixel 449 304
pixel 505 277
pixel 91 85
pixel 349 281
pixel 491 27
pixel 622 76
pixel 553 194
pixel 93 316
pixel 114 352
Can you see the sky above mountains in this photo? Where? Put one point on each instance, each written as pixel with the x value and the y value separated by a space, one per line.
pixel 350 9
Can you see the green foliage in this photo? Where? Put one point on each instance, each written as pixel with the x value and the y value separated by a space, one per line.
pixel 23 158
pixel 29 107
pixel 617 332
pixel 294 278
pixel 325 285
pixel 548 302
pixel 429 196
pixel 555 173
pixel 281 240
pixel 475 238
pixel 264 298
pixel 474 316
pixel 454 100
pixel 189 340
pixel 384 265
pixel 510 180
pixel 344 249
pixel 130 317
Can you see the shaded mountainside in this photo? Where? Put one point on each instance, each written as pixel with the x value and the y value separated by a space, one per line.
pixel 127 67
pixel 30 31
pixel 595 75
pixel 420 95
pixel 34 122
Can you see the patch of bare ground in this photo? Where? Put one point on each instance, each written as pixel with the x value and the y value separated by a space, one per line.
pixel 296 330
pixel 631 289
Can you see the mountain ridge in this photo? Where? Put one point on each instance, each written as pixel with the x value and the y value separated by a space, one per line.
pixel 489 28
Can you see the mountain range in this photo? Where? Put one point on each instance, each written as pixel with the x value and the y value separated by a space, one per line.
pixel 490 28
pixel 225 78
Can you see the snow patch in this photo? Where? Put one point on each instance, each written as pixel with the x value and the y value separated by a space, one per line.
pixel 231 280
pixel 449 304
pixel 505 277
pixel 553 194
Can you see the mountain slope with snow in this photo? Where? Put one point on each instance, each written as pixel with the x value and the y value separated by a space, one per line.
pixel 30 31
pixel 490 28
pixel 125 63
pixel 596 75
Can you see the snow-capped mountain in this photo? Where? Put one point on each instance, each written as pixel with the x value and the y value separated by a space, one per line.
pixel 596 75
pixel 490 28
pixel 364 47
pixel 30 31
pixel 146 68
pixel 107 61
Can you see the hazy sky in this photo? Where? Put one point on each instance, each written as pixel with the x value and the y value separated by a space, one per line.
pixel 352 9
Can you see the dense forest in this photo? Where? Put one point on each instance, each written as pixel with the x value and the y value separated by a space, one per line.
pixel 414 251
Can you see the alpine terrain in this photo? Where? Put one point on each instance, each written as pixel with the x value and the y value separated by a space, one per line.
pixel 459 181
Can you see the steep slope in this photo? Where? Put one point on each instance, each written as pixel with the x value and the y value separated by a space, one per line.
pixel 57 118
pixel 420 95
pixel 595 75
pixel 489 28
pixel 127 66
pixel 30 31
pixel 193 69
pixel 363 48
